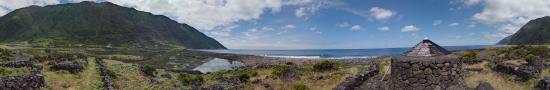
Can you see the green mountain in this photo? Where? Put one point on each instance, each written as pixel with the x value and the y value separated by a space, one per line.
pixel 535 32
pixel 89 24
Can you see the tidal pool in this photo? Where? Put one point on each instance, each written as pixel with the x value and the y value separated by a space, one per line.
pixel 218 64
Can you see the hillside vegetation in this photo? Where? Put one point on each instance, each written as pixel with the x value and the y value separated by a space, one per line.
pixel 89 24
pixel 535 32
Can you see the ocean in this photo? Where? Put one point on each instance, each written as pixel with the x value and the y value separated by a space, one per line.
pixel 337 53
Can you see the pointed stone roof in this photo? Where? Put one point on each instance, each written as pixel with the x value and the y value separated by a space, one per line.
pixel 426 48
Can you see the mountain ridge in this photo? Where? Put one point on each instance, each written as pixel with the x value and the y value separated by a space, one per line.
pixel 99 24
pixel 535 32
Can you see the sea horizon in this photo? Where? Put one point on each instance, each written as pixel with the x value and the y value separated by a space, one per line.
pixel 335 53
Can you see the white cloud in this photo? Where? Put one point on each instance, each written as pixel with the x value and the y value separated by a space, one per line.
pixel 344 24
pixel 224 32
pixel 76 1
pixel 509 15
pixel 10 5
pixel 205 14
pixel 410 28
pixel 496 36
pixel 289 26
pixel 355 28
pixel 381 13
pixel 471 2
pixel 437 22
pixel 263 38
pixel 314 29
pixel 508 28
pixel 310 7
pixel 454 24
pixel 300 12
pixel 472 25
pixel 201 14
pixel 384 29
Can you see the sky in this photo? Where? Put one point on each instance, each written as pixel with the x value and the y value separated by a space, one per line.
pixel 337 24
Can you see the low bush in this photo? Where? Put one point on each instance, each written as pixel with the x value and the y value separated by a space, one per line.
pixel 185 78
pixel 529 57
pixel 13 71
pixel 469 55
pixel 148 70
pixel 521 51
pixel 112 74
pixel 289 63
pixel 279 70
pixel 243 74
pixel 326 66
pixel 299 86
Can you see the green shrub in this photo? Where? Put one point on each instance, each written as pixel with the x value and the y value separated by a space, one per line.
pixel 491 64
pixel 325 66
pixel 189 78
pixel 300 86
pixel 111 74
pixel 529 57
pixel 289 63
pixel 243 74
pixel 279 70
pixel 469 55
pixel 148 69
pixel 13 71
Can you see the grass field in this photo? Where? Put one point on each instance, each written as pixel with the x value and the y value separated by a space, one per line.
pixel 88 79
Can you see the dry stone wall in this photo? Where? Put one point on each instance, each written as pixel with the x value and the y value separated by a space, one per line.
pixel 426 73
pixel 354 81
pixel 107 83
pixel 32 80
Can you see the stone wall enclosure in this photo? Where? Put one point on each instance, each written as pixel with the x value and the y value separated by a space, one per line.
pixel 426 73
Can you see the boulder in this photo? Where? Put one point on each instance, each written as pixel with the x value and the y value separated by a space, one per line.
pixel 484 86
pixel 543 84
pixel 537 63
pixel 525 73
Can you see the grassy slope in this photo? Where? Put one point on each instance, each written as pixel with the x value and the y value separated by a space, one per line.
pixel 88 79
pixel 306 73
pixel 89 24
pixel 128 76
pixel 499 81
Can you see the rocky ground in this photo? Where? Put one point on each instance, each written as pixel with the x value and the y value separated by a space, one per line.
pixel 516 68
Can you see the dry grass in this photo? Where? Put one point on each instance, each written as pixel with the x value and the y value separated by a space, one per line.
pixel 385 66
pixel 331 78
pixel 167 83
pixel 482 65
pixel 128 76
pixel 5 47
pixel 123 57
pixel 498 81
pixel 516 62
pixel 7 71
pixel 88 79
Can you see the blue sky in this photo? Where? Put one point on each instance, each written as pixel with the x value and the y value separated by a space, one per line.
pixel 338 24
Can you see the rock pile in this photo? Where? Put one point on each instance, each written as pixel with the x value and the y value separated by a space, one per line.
pixel 523 72
pixel 107 83
pixel 71 63
pixel 484 86
pixel 28 81
pixel 543 84
pixel 24 82
pixel 426 73
pixel 73 68
pixel 352 82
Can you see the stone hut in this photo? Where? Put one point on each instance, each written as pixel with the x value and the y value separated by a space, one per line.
pixel 426 67
pixel 426 48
